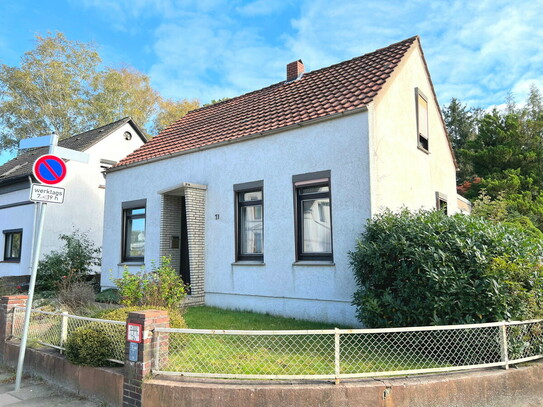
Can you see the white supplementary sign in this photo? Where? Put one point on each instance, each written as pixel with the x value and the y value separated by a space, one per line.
pixel 46 193
pixel 133 333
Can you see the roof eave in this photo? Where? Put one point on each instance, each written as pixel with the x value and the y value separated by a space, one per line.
pixel 244 138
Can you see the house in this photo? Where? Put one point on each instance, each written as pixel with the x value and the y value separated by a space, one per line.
pixel 259 199
pixel 83 205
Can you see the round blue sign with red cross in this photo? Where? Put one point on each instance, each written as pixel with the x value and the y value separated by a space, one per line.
pixel 49 169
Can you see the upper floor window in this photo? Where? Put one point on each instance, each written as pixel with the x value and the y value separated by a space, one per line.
pixel 134 230
pixel 250 221
pixel 12 244
pixel 313 216
pixel 422 120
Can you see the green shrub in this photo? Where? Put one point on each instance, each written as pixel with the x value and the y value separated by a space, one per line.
pixel 59 269
pixel 161 287
pixel 109 296
pixel 90 345
pixel 426 268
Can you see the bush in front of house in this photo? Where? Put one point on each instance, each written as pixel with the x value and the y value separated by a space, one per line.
pixel 91 345
pixel 59 269
pixel 426 268
pixel 160 287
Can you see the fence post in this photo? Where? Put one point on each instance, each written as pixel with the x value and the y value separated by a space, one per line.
pixel 63 329
pixel 503 345
pixel 139 364
pixel 7 305
pixel 336 355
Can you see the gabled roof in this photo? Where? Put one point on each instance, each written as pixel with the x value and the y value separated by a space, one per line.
pixel 336 89
pixel 20 167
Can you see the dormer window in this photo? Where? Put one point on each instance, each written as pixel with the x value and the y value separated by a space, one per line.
pixel 422 120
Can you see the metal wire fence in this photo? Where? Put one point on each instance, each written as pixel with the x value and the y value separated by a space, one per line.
pixel 52 329
pixel 337 354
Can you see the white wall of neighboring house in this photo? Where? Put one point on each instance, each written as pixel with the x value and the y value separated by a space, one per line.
pixel 18 217
pixel 278 286
pixel 82 208
pixel 402 175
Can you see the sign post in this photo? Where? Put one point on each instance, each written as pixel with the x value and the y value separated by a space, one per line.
pixel 50 170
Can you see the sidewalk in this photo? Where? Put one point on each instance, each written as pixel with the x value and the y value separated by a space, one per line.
pixel 37 392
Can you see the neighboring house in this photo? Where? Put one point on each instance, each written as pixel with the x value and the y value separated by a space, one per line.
pixel 83 206
pixel 259 199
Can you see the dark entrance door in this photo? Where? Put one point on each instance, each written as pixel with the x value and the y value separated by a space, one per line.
pixel 184 264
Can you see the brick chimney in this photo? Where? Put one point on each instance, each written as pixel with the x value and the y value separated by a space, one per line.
pixel 294 70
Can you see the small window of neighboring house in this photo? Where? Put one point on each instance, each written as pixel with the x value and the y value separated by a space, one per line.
pixel 313 216
pixel 441 202
pixel 12 244
pixel 249 221
pixel 422 120
pixel 133 246
pixel 104 166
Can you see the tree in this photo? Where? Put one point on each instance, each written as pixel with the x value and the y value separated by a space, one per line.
pixel 170 111
pixel 121 92
pixel 48 92
pixel 60 86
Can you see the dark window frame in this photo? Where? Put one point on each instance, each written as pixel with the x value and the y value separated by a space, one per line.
pixel 441 202
pixel 8 239
pixel 127 207
pixel 314 179
pixel 239 190
pixel 423 140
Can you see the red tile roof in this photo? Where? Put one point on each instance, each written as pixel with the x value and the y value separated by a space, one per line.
pixel 335 89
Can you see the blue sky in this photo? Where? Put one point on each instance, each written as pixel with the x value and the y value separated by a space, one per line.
pixel 476 51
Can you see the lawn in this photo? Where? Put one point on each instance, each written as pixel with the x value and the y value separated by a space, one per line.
pixel 280 354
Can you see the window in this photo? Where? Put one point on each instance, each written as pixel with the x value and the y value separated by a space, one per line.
pixel 134 231
pixel 12 244
pixel 250 221
pixel 441 202
pixel 422 120
pixel 313 216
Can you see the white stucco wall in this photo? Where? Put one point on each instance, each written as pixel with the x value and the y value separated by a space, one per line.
pixel 278 286
pixel 18 217
pixel 403 175
pixel 82 208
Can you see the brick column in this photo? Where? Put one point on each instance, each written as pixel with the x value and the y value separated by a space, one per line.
pixel 6 317
pixel 136 372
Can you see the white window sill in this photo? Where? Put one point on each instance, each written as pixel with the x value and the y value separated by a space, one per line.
pixel 131 263
pixel 248 263
pixel 313 263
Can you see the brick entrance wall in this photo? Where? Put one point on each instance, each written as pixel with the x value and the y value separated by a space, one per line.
pixel 195 201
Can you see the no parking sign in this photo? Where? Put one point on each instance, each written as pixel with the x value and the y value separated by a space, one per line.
pixel 49 169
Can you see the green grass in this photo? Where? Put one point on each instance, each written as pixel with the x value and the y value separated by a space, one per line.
pixel 203 317
pixel 278 355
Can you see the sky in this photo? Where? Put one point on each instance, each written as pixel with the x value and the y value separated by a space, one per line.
pixel 477 51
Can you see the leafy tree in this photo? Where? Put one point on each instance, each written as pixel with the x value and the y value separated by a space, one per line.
pixel 49 91
pixel 117 93
pixel 170 111
pixel 215 101
pixel 60 86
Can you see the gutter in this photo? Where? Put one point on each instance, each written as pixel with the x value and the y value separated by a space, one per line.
pixel 244 138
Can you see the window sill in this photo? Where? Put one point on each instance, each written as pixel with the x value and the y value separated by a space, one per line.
pixel 131 263
pixel 423 149
pixel 248 263
pixel 11 261
pixel 314 263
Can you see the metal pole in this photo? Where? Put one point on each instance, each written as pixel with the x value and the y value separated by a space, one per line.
pixel 35 258
pixel 336 355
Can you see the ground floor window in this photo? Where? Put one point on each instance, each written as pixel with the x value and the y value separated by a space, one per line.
pixel 134 231
pixel 313 216
pixel 12 244
pixel 250 221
